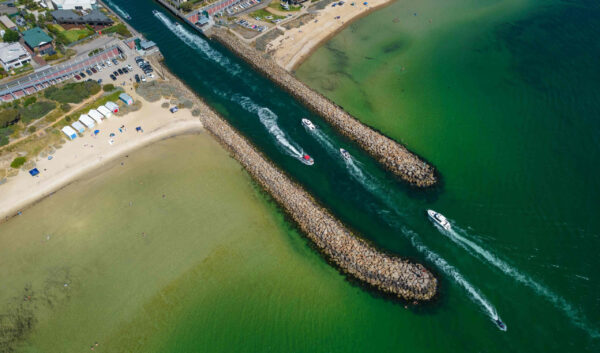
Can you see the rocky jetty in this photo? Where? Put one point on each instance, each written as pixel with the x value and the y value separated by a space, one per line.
pixel 390 274
pixel 395 157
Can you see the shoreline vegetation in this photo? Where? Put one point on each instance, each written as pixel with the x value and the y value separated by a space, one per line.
pixel 391 154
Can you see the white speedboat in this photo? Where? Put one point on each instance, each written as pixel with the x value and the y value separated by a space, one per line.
pixel 308 160
pixel 308 124
pixel 345 154
pixel 439 219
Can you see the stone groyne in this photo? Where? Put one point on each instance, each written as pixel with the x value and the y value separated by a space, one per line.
pixel 391 154
pixel 387 273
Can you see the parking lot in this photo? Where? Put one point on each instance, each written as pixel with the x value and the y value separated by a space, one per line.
pixel 128 69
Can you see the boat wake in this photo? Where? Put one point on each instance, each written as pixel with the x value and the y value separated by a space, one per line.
pixel 474 294
pixel 196 42
pixel 459 236
pixel 269 121
pixel 372 185
pixel 119 10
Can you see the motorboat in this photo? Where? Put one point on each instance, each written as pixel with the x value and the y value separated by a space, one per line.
pixel 308 160
pixel 439 219
pixel 345 154
pixel 500 324
pixel 308 124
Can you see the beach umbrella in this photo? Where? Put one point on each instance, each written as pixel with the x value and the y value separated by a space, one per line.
pixel 96 132
pixel 112 134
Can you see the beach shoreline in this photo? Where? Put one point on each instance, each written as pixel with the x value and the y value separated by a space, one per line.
pixel 77 158
pixel 311 36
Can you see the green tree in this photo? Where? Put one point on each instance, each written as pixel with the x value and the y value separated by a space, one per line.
pixel 11 36
pixel 108 87
pixel 186 6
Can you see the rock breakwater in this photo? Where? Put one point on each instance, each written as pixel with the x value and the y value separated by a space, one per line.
pixel 391 154
pixel 390 274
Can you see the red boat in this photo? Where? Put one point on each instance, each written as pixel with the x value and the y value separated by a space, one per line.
pixel 306 159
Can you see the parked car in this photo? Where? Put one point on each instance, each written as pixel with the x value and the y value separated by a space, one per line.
pixel 120 71
pixel 77 77
pixel 143 78
pixel 115 73
pixel 82 75
pixel 99 81
pixel 151 75
pixel 108 63
pixel 94 70
pixel 129 67
pixel 115 62
pixel 113 77
pixel 137 78
pixel 125 70
pixel 89 72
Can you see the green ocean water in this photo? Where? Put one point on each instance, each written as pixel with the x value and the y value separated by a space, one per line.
pixel 500 95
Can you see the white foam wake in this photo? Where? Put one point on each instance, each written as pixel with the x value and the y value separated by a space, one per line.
pixel 119 10
pixel 479 252
pixel 196 42
pixel 449 270
pixel 269 120
pixel 356 170
pixel 373 186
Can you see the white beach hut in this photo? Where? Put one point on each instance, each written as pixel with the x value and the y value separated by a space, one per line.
pixel 105 111
pixel 112 106
pixel 78 127
pixel 94 114
pixel 67 130
pixel 87 121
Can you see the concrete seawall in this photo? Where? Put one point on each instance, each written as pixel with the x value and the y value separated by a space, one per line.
pixel 391 154
pixel 389 274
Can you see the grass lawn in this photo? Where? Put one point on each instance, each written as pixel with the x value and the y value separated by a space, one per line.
pixel 74 35
pixel 262 13
pixel 22 69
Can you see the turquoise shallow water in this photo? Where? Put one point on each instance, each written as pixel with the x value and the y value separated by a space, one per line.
pixel 501 96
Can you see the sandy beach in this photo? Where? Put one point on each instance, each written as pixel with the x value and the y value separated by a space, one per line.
pixel 296 44
pixel 83 154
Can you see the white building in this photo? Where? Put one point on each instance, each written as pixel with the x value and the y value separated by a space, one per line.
pixel 94 114
pixel 13 55
pixel 104 111
pixel 87 121
pixel 74 4
pixel 78 126
pixel 67 130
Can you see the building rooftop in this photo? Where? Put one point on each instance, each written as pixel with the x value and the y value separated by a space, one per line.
pixel 147 44
pixel 95 16
pixel 7 22
pixel 36 37
pixel 11 51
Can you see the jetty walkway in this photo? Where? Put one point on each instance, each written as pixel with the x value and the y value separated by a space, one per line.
pixel 354 256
